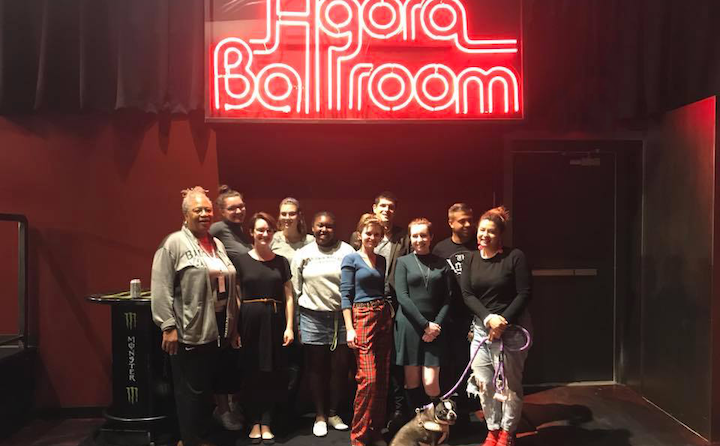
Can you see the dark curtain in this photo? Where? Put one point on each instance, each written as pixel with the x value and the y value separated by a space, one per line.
pixel 75 55
pixel 588 63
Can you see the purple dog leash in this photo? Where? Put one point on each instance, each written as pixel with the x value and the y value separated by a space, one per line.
pixel 499 378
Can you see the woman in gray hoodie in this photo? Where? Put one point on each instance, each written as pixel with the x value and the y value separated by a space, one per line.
pixel 194 302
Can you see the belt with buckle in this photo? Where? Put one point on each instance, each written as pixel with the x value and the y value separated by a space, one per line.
pixel 265 300
pixel 372 303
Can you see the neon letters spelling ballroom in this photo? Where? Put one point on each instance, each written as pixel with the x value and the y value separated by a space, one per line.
pixel 369 60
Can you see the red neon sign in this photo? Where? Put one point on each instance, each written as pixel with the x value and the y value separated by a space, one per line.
pixel 370 60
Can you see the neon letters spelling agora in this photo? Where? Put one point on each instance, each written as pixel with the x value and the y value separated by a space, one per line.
pixel 368 60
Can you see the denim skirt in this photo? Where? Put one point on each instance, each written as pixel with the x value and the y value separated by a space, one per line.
pixel 322 327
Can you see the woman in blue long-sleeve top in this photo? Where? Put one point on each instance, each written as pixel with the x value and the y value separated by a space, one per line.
pixel 368 323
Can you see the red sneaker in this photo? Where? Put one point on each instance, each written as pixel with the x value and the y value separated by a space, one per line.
pixel 492 438
pixel 505 439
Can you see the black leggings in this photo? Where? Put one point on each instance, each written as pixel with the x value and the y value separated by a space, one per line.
pixel 327 368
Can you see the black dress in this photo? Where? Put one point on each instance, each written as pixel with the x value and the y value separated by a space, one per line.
pixel 424 285
pixel 262 324
pixel 263 359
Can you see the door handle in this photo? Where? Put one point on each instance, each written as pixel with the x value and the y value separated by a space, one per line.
pixel 565 272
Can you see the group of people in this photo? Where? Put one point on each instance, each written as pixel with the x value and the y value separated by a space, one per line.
pixel 236 298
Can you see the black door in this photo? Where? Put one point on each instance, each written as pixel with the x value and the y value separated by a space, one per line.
pixel 563 205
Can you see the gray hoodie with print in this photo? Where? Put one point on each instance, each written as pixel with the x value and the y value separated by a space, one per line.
pixel 181 292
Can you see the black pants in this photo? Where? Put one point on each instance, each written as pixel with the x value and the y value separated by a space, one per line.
pixel 193 381
pixel 228 376
pixel 296 365
pixel 396 386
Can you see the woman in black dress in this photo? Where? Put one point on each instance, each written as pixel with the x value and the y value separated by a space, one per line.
pixel 424 284
pixel 266 326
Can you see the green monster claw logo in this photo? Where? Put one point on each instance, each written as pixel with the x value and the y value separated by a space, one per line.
pixel 132 394
pixel 130 320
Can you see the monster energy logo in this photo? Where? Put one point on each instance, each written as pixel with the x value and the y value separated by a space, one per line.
pixel 131 358
pixel 132 394
pixel 130 320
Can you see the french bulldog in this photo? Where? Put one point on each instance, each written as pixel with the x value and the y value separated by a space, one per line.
pixel 429 427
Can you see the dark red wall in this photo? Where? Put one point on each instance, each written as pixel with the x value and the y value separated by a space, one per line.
pixel 8 278
pixel 342 168
pixel 100 193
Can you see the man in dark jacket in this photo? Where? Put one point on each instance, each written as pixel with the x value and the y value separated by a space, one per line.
pixel 394 244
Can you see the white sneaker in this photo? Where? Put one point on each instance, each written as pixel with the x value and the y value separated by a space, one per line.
pixel 320 429
pixel 228 420
pixel 337 423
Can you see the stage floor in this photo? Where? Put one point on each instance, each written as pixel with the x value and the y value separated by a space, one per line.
pixel 572 416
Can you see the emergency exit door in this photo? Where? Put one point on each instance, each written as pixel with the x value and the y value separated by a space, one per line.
pixel 564 218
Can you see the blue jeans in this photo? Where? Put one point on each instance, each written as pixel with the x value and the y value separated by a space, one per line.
pixel 499 415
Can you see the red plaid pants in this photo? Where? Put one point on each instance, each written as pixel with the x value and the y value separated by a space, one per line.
pixel 373 327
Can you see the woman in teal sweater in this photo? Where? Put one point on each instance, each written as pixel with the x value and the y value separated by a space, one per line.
pixel 424 285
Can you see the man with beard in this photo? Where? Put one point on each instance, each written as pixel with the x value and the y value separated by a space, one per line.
pixel 394 244
pixel 454 249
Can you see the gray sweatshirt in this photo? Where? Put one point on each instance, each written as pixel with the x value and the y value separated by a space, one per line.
pixel 181 292
pixel 281 246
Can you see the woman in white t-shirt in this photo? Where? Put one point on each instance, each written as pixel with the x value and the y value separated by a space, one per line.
pixel 316 280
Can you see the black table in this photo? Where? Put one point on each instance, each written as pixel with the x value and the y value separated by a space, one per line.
pixel 142 410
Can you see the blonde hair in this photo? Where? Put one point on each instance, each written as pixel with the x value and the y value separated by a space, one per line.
pixel 301 225
pixel 368 220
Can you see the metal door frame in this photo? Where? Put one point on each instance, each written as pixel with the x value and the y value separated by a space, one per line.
pixel 508 181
